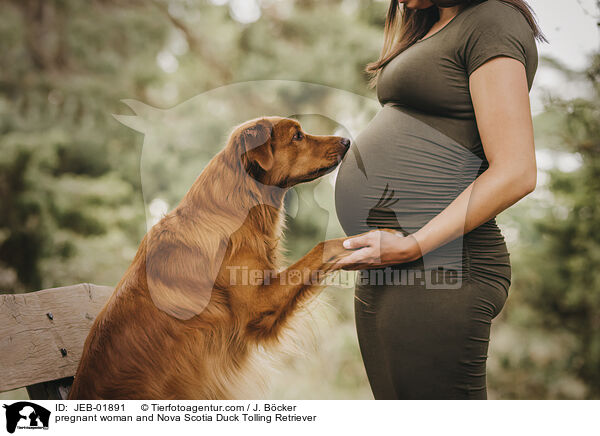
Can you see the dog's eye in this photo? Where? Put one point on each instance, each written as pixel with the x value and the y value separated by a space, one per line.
pixel 298 136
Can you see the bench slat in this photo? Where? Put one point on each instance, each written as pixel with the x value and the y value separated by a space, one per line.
pixel 31 342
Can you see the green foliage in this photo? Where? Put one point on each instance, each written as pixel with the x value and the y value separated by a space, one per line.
pixel 70 184
pixel 71 201
pixel 556 291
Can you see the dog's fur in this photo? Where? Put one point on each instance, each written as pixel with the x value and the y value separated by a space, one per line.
pixel 181 323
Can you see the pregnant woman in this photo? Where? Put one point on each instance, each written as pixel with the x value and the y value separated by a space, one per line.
pixel 451 147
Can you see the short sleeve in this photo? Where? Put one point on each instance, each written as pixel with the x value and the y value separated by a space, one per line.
pixel 495 29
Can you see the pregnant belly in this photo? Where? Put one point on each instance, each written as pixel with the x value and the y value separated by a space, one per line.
pixel 399 174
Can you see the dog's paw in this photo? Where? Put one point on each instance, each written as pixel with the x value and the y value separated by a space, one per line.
pixel 333 251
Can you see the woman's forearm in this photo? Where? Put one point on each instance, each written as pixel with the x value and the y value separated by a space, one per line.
pixel 492 192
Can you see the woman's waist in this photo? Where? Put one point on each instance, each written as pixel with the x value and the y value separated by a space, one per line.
pixel 487 238
pixel 480 254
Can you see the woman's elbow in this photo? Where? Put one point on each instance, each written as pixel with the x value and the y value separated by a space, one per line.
pixel 524 181
pixel 519 181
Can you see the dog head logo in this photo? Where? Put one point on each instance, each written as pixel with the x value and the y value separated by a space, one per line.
pixel 26 415
pixel 180 142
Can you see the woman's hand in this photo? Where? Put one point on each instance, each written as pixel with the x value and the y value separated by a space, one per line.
pixel 379 248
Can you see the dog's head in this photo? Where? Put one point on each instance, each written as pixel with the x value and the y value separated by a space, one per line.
pixel 275 151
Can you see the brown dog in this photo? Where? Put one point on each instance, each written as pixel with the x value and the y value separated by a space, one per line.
pixel 196 302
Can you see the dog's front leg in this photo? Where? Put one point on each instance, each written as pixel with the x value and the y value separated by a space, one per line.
pixel 281 294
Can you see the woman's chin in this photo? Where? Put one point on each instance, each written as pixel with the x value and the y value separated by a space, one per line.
pixel 416 4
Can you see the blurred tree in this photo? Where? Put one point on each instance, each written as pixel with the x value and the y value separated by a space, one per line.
pixel 69 171
pixel 70 194
pixel 556 293
pixel 71 205
pixel 567 291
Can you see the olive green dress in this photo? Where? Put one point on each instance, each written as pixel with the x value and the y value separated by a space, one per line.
pixel 424 327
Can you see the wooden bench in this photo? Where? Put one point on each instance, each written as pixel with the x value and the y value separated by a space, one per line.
pixel 42 337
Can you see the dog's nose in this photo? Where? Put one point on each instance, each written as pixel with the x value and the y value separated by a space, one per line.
pixel 345 142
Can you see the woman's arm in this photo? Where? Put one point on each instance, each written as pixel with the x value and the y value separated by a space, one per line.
pixel 501 101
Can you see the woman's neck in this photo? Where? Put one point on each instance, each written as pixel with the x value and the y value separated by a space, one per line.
pixel 446 14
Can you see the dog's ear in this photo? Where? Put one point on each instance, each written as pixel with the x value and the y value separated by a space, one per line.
pixel 255 144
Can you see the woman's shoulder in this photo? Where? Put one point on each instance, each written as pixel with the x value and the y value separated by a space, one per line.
pixel 495 28
pixel 496 15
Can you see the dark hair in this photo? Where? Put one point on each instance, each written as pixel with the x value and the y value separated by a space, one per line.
pixel 413 24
